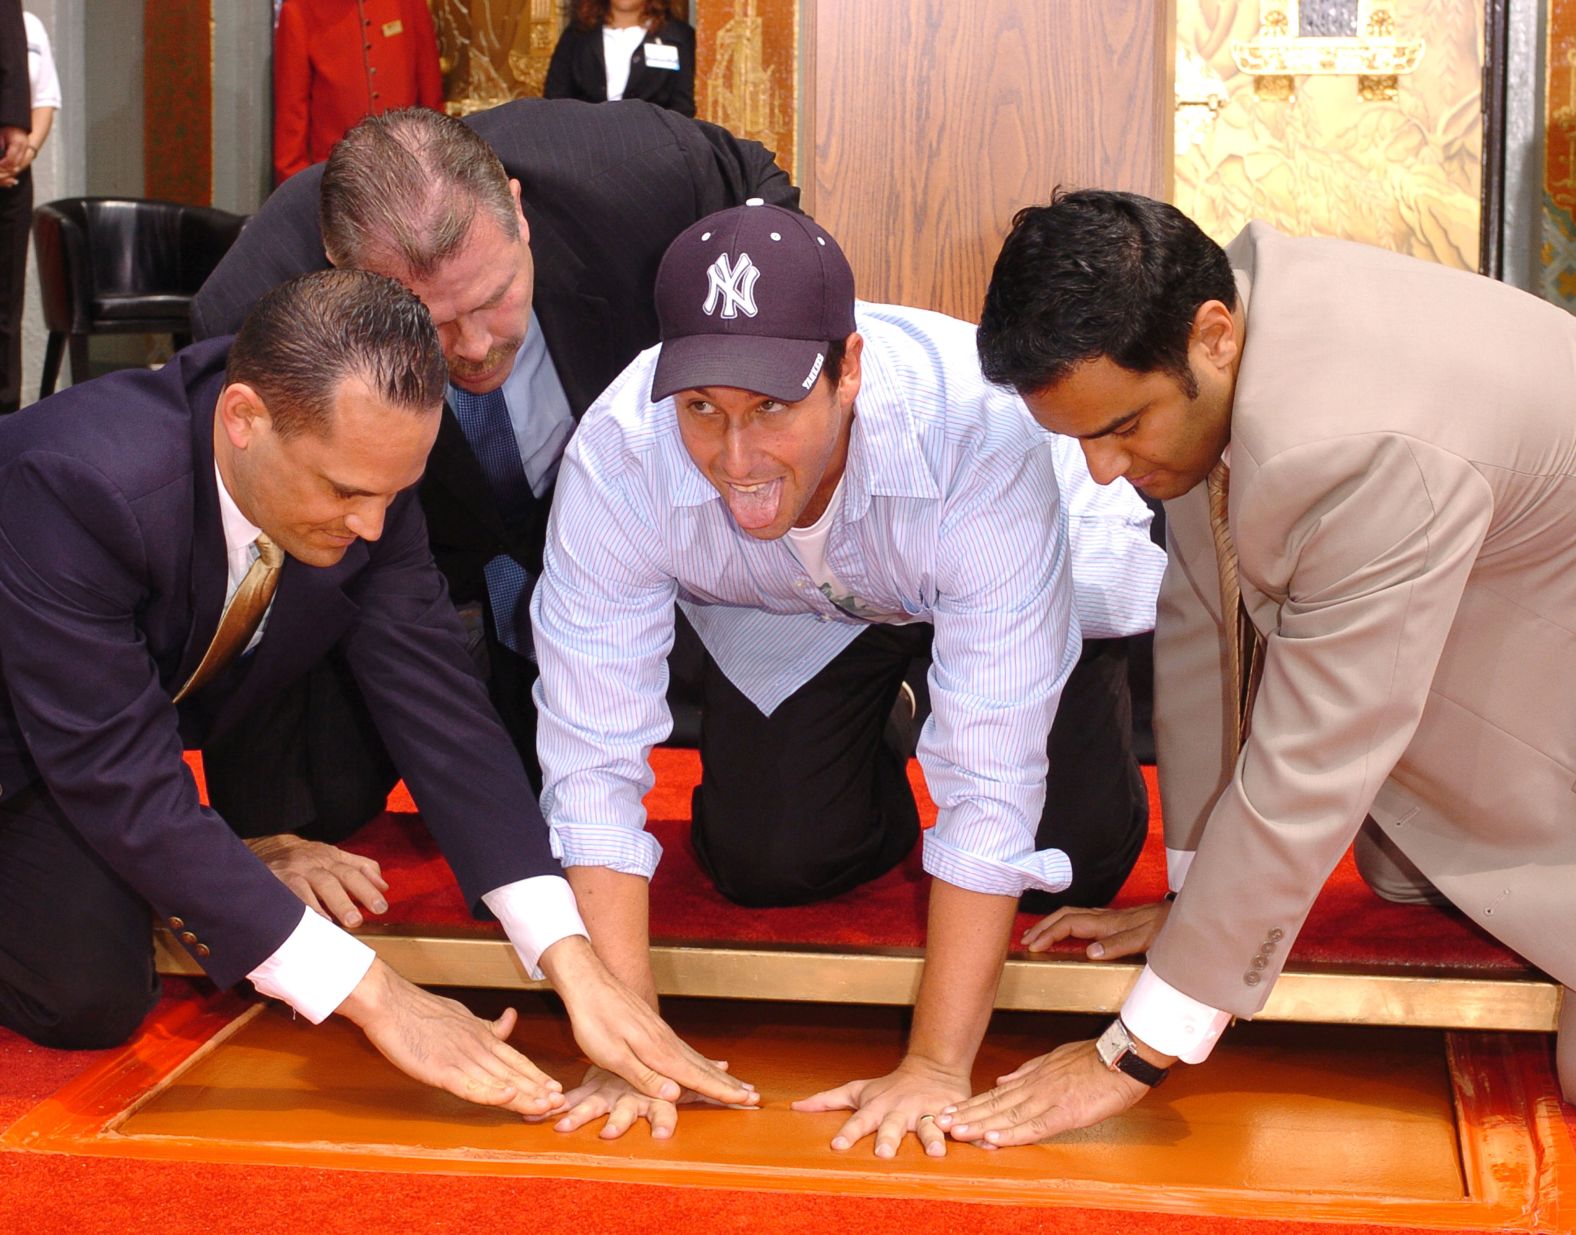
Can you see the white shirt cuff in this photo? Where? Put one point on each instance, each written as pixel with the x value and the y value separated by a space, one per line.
pixel 315 968
pixel 1159 1015
pixel 536 913
pixel 1177 863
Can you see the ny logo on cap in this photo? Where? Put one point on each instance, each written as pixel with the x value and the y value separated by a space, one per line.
pixel 733 285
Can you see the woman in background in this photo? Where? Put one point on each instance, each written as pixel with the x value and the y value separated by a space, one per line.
pixel 625 49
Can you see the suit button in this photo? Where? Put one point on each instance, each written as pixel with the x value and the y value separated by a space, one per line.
pixel 1251 978
pixel 1266 949
pixel 176 924
pixel 201 949
pixel 1260 962
pixel 372 69
pixel 1276 934
pixel 188 938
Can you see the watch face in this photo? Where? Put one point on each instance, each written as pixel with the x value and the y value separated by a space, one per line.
pixel 1112 1045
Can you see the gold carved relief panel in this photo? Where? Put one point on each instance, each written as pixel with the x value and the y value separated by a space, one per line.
pixel 1557 253
pixel 1352 118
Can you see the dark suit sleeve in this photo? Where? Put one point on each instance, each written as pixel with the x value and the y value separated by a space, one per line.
pixel 683 97
pixel 281 241
pixel 16 92
pixel 100 726
pixel 729 170
pixel 560 69
pixel 408 655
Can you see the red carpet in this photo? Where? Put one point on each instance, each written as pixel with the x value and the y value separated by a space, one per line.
pixel 1349 924
pixel 48 1193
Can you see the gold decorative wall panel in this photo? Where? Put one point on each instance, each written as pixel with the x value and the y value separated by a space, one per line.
pixel 747 71
pixel 1374 134
pixel 492 51
pixel 1557 254
pixel 747 60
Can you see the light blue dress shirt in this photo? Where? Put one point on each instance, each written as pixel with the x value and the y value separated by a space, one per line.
pixel 538 409
pixel 952 513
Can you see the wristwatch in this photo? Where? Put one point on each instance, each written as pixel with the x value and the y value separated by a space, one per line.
pixel 1115 1048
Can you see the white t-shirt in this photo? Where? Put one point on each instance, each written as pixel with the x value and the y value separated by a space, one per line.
pixel 809 546
pixel 618 47
pixel 41 64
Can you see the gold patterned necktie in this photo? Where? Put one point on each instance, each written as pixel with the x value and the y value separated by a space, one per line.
pixel 1247 660
pixel 242 615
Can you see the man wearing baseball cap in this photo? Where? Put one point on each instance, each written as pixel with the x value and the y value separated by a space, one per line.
pixel 829 491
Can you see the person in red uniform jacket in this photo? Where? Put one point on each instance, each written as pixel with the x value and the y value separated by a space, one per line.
pixel 336 61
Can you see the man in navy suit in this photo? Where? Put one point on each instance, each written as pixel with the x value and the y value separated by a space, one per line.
pixel 131 510
pixel 532 232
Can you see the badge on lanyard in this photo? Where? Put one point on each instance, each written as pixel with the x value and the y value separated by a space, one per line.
pixel 662 56
pixel 391 28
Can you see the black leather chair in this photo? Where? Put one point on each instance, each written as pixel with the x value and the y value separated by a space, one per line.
pixel 118 265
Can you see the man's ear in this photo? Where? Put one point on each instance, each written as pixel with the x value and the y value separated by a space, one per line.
pixel 242 414
pixel 853 374
pixel 525 228
pixel 1215 340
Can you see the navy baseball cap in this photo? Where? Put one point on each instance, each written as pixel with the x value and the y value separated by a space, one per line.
pixel 749 298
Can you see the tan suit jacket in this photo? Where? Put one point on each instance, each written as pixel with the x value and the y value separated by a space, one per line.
pixel 1403 501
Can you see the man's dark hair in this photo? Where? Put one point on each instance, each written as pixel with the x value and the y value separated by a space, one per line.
pixel 306 336
pixel 836 352
pixel 402 189
pixel 1094 274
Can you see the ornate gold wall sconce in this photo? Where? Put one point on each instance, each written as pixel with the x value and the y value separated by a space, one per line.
pixel 1327 38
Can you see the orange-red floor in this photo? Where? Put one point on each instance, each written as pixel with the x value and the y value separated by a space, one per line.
pixel 1403 1128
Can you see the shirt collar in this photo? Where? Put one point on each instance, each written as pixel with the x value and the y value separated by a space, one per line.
pixel 239 531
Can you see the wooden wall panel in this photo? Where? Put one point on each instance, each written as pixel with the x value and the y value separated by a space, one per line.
pixel 177 88
pixel 934 120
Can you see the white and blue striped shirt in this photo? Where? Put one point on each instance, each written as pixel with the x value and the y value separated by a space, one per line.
pixel 952 513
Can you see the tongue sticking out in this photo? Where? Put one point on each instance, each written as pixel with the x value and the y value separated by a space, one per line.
pixel 754 508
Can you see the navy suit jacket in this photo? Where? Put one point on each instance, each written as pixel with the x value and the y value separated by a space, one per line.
pixel 112 579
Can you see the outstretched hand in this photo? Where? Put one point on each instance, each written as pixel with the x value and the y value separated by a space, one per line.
pixel 329 879
pixel 907 1099
pixel 443 1044
pixel 605 1093
pixel 1051 1094
pixel 622 1033
pixel 1116 932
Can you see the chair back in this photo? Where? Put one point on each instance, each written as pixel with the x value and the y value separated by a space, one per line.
pixel 125 264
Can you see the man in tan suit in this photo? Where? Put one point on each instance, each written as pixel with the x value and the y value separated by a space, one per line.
pixel 1392 447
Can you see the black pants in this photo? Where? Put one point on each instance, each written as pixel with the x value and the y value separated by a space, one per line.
pixel 76 943
pixel 814 800
pixel 311 761
pixel 16 221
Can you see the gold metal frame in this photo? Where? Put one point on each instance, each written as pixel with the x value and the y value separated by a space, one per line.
pixel 1376 57
pixel 1446 999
